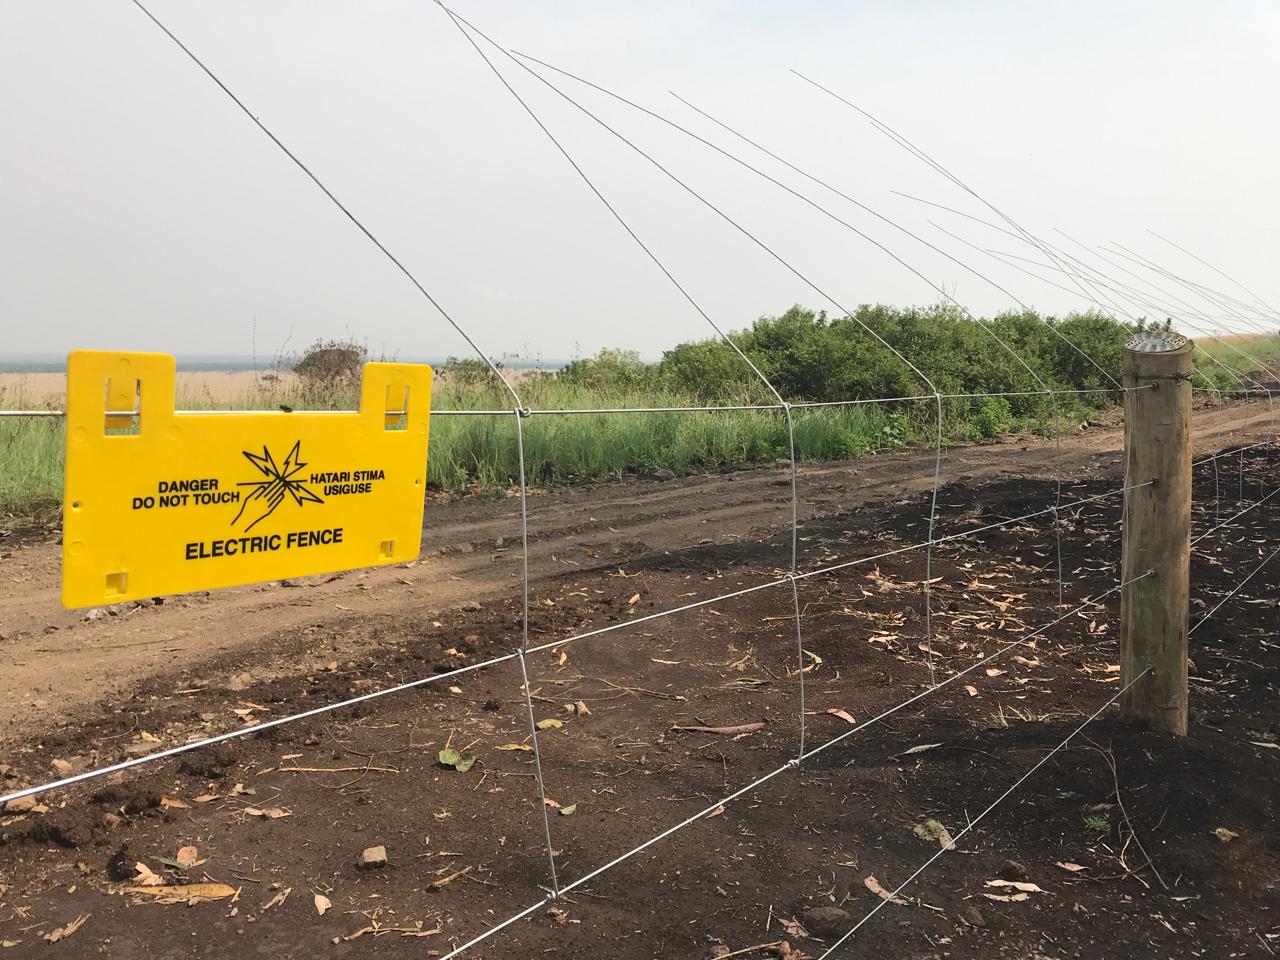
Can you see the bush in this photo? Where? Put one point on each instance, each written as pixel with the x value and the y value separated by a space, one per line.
pixel 329 364
pixel 993 418
pixel 468 371
pixel 610 368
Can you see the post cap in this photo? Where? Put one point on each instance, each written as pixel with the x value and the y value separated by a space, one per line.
pixel 1156 341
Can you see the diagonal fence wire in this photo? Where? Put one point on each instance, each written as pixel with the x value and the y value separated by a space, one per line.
pixel 1236 516
pixel 935 165
pixel 1127 291
pixel 1238 587
pixel 1022 234
pixel 1271 315
pixel 1140 300
pixel 359 224
pixel 1056 416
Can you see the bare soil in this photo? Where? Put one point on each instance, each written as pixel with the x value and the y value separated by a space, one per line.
pixel 1156 880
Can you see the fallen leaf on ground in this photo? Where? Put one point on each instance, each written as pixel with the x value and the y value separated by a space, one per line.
pixel 794 928
pixel 186 892
pixel 568 811
pixel 63 932
pixel 919 748
pixel 872 884
pixel 146 877
pixel 271 813
pixel 971 690
pixel 1009 897
pixel 551 803
pixel 634 600
pixel 378 930
pixel 842 714
pixel 1265 745
pixel 278 899
pixel 1020 885
pixel 188 857
pixel 995 672
pixel 1070 867
pixel 173 803
pixel 725 731
pixel 1225 835
pixel 207 798
pixel 933 830
pixel 322 904
pixel 462 762
pixel 516 746
pixel 550 724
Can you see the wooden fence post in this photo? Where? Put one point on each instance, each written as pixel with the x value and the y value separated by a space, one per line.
pixel 1156 531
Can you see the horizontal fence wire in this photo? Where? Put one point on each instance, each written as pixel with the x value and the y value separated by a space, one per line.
pixel 493 661
pixel 789 765
pixel 704 408
pixel 1232 452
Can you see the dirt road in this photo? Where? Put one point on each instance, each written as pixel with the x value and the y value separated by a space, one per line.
pixel 54 661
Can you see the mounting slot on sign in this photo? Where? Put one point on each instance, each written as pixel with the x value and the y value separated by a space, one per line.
pixel 123 407
pixel 397 408
pixel 387 549
pixel 117 584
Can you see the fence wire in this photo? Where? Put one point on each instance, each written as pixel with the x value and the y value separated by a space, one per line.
pixel 533 411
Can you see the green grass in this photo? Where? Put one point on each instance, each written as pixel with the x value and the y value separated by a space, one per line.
pixel 478 452
pixel 1244 354
pixel 30 466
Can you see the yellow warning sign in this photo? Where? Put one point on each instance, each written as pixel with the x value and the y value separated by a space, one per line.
pixel 158 502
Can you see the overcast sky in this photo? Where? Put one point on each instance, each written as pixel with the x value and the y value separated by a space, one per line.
pixel 140 209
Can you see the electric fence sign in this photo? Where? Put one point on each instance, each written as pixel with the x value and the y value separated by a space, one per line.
pixel 158 502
